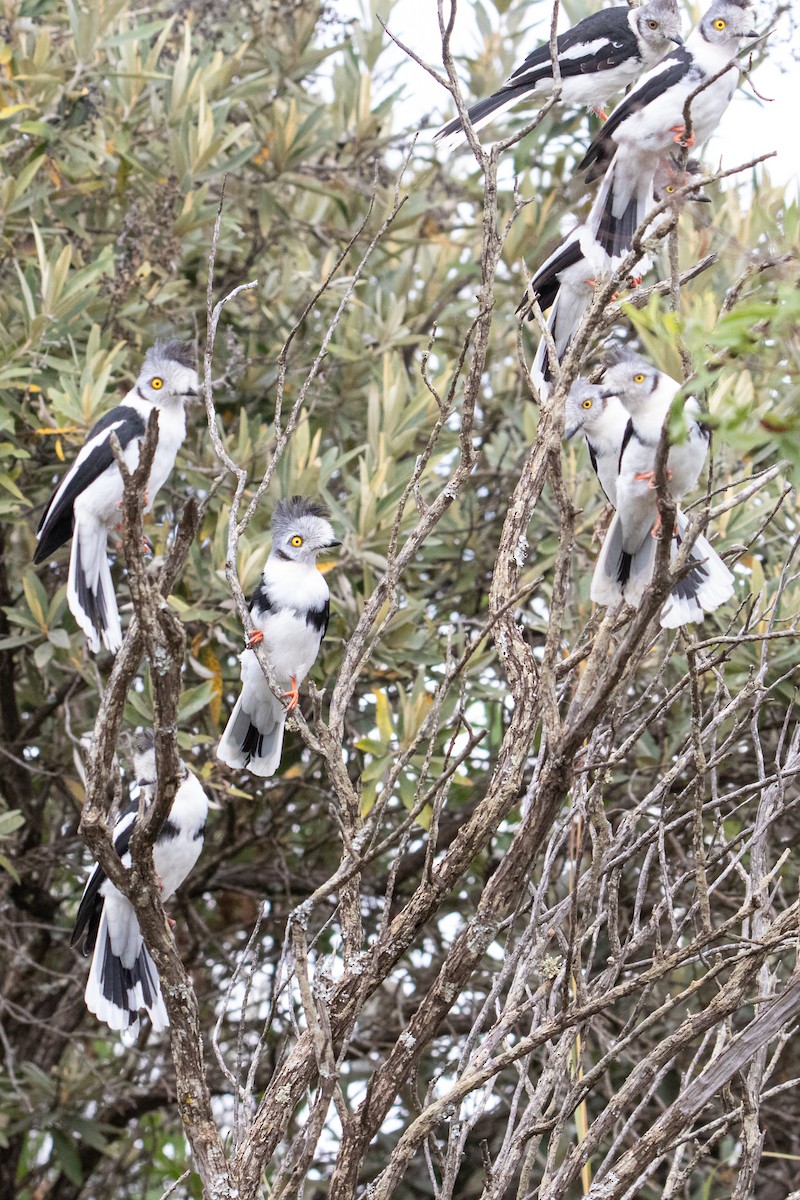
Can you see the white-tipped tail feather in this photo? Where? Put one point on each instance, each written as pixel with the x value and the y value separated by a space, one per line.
pixel 90 590
pixel 619 574
pixel 253 737
pixel 122 978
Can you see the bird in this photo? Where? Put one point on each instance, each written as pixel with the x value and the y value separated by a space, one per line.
pixel 599 56
pixel 603 420
pixel 565 280
pixel 290 609
pixel 627 558
pixel 85 506
pixel 122 977
pixel 650 120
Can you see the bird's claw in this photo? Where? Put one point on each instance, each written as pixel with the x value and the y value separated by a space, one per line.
pixel 253 639
pixel 650 476
pixel 292 695
pixel 680 136
pixel 593 283
pixel 634 281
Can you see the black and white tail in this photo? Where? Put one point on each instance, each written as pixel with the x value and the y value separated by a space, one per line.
pixel 90 590
pixel 253 737
pixel 618 574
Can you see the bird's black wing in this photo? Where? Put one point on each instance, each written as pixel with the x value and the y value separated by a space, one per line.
pixel 260 602
pixel 95 457
pixel 609 42
pixel 91 905
pixel 607 37
pixel 667 74
pixel 545 284
pixel 318 618
pixel 626 437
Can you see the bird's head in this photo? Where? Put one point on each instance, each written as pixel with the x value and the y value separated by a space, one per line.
pixel 671 178
pixel 725 22
pixel 144 756
pixel 169 371
pixel 585 406
pixel 630 377
pixel 301 529
pixel 657 23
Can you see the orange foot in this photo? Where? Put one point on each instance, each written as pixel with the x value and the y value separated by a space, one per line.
pixel 172 922
pixel 634 281
pixel 650 476
pixel 600 112
pixel 593 283
pixel 293 696
pixel 254 639
pixel 680 136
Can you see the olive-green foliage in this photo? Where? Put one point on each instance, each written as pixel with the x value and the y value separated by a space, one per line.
pixel 117 127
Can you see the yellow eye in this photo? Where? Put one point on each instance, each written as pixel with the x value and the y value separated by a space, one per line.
pixel 156 383
pixel 639 378
pixel 720 24
pixel 587 404
pixel 297 540
pixel 670 188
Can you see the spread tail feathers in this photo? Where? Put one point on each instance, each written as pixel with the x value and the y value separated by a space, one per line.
pixel 707 585
pixel 253 737
pixel 90 591
pixel 116 993
pixel 704 588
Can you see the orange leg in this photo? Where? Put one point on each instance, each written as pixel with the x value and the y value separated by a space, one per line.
pixel 680 136
pixel 293 696
pixel 634 281
pixel 254 639
pixel 600 112
pixel 593 283
pixel 650 476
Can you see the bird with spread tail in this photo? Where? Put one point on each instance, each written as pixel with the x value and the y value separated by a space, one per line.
pixel 86 504
pixel 123 979
pixel 290 610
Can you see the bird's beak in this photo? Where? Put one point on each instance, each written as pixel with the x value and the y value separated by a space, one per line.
pixel 701 199
pixel 330 545
pixel 192 394
pixel 571 430
pixel 751 34
pixel 677 39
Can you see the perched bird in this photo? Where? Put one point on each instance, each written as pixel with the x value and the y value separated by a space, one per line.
pixel 627 559
pixel 290 610
pixel 599 56
pixel 650 120
pixel 600 416
pixel 565 280
pixel 85 505
pixel 123 977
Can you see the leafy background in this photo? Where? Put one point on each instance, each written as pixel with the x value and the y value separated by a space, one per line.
pixel 117 126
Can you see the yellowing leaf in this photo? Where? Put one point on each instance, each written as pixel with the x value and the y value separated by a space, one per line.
pixel 383 715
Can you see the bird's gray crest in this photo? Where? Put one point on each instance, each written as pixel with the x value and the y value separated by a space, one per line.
pixel 733 11
pixel 172 350
pixel 286 512
pixel 614 355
